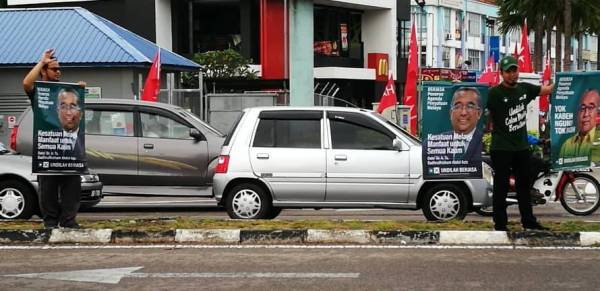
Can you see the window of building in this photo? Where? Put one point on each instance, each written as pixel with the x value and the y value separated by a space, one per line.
pixel 404 39
pixel 288 133
pixel 475 58
pixel 446 12
pixel 446 57
pixel 474 25
pixel 458 25
pixel 337 32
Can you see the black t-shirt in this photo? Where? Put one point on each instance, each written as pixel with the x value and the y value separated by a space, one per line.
pixel 508 107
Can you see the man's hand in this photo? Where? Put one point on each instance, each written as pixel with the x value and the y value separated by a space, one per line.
pixel 48 56
pixel 82 84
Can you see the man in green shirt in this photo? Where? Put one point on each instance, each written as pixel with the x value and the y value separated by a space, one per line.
pixel 507 106
pixel 580 144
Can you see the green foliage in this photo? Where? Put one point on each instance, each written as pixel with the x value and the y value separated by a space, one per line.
pixel 487 142
pixel 225 64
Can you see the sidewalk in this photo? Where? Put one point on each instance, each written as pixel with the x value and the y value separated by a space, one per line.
pixel 299 237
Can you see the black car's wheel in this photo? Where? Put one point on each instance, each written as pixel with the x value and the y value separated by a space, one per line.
pixel 275 211
pixel 17 200
pixel 444 202
pixel 248 201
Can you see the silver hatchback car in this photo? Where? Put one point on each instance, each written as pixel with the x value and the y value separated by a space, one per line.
pixel 332 157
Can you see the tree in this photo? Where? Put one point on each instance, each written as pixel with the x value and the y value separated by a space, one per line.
pixel 225 64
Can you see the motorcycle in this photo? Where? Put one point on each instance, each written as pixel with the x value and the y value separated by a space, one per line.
pixel 577 190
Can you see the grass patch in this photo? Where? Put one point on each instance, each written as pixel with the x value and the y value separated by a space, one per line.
pixel 166 224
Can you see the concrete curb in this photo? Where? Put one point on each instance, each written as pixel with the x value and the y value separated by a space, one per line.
pixel 308 236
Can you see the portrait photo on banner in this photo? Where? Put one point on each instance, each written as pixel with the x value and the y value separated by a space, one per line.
pixel 58 128
pixel 574 120
pixel 452 129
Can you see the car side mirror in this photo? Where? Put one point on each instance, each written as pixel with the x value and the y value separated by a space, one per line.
pixel 196 134
pixel 397 144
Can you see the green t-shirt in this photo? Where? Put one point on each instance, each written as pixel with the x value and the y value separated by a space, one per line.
pixel 508 107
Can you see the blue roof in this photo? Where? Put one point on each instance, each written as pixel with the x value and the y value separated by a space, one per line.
pixel 80 38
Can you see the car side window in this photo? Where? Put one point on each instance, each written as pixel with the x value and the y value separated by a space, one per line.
pixel 104 122
pixel 288 133
pixel 159 126
pixel 357 132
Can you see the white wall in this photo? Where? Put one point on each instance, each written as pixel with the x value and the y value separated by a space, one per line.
pixel 379 34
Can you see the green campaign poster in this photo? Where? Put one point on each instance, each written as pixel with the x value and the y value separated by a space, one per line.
pixel 58 128
pixel 573 119
pixel 452 129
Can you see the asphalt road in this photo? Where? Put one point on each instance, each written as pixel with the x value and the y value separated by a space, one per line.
pixel 144 207
pixel 260 268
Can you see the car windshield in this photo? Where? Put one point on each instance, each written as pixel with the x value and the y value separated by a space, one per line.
pixel 404 131
pixel 196 118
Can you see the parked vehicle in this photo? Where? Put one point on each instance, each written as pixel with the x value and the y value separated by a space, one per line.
pixel 142 148
pixel 19 194
pixel 577 191
pixel 332 157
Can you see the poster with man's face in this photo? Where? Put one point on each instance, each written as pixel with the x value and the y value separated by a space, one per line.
pixel 58 128
pixel 573 120
pixel 453 121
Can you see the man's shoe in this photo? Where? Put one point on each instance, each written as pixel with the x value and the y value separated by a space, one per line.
pixel 50 226
pixel 500 228
pixel 536 226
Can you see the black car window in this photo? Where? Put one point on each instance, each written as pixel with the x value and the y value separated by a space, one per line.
pixel 105 122
pixel 355 131
pixel 159 126
pixel 288 133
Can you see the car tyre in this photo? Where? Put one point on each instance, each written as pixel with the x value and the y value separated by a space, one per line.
pixel 249 201
pixel 444 202
pixel 275 211
pixel 17 201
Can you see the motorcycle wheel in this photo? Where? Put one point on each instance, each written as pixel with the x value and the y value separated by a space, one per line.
pixel 582 196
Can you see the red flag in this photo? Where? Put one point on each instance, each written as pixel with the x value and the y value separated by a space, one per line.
pixel 410 89
pixel 490 76
pixel 389 95
pixel 524 59
pixel 544 102
pixel 152 85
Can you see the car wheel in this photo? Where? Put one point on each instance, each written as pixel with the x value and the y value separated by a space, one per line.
pixel 444 202
pixel 275 211
pixel 248 201
pixel 17 200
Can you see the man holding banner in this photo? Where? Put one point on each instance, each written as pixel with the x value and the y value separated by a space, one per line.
pixel 507 107
pixel 59 145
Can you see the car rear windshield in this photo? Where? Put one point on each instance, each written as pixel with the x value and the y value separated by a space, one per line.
pixel 232 130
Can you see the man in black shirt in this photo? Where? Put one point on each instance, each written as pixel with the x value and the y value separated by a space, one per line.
pixel 60 193
pixel 507 105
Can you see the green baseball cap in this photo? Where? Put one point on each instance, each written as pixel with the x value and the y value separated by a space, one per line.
pixel 508 62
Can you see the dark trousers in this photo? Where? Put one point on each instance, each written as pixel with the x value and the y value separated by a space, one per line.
pixel 59 199
pixel 519 162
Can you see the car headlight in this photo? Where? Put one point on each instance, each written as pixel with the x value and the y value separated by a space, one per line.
pixel 90 178
pixel 488 173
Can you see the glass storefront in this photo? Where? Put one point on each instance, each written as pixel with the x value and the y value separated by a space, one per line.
pixel 337 33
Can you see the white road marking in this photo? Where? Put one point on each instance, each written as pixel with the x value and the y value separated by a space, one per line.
pixel 114 275
pixel 185 246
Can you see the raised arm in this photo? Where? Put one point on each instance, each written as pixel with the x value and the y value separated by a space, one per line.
pixel 29 80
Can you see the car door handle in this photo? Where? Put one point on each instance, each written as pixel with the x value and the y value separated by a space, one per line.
pixel 341 158
pixel 262 156
pixel 148 146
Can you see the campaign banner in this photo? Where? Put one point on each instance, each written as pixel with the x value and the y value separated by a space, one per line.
pixel 58 128
pixel 452 129
pixel 573 119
